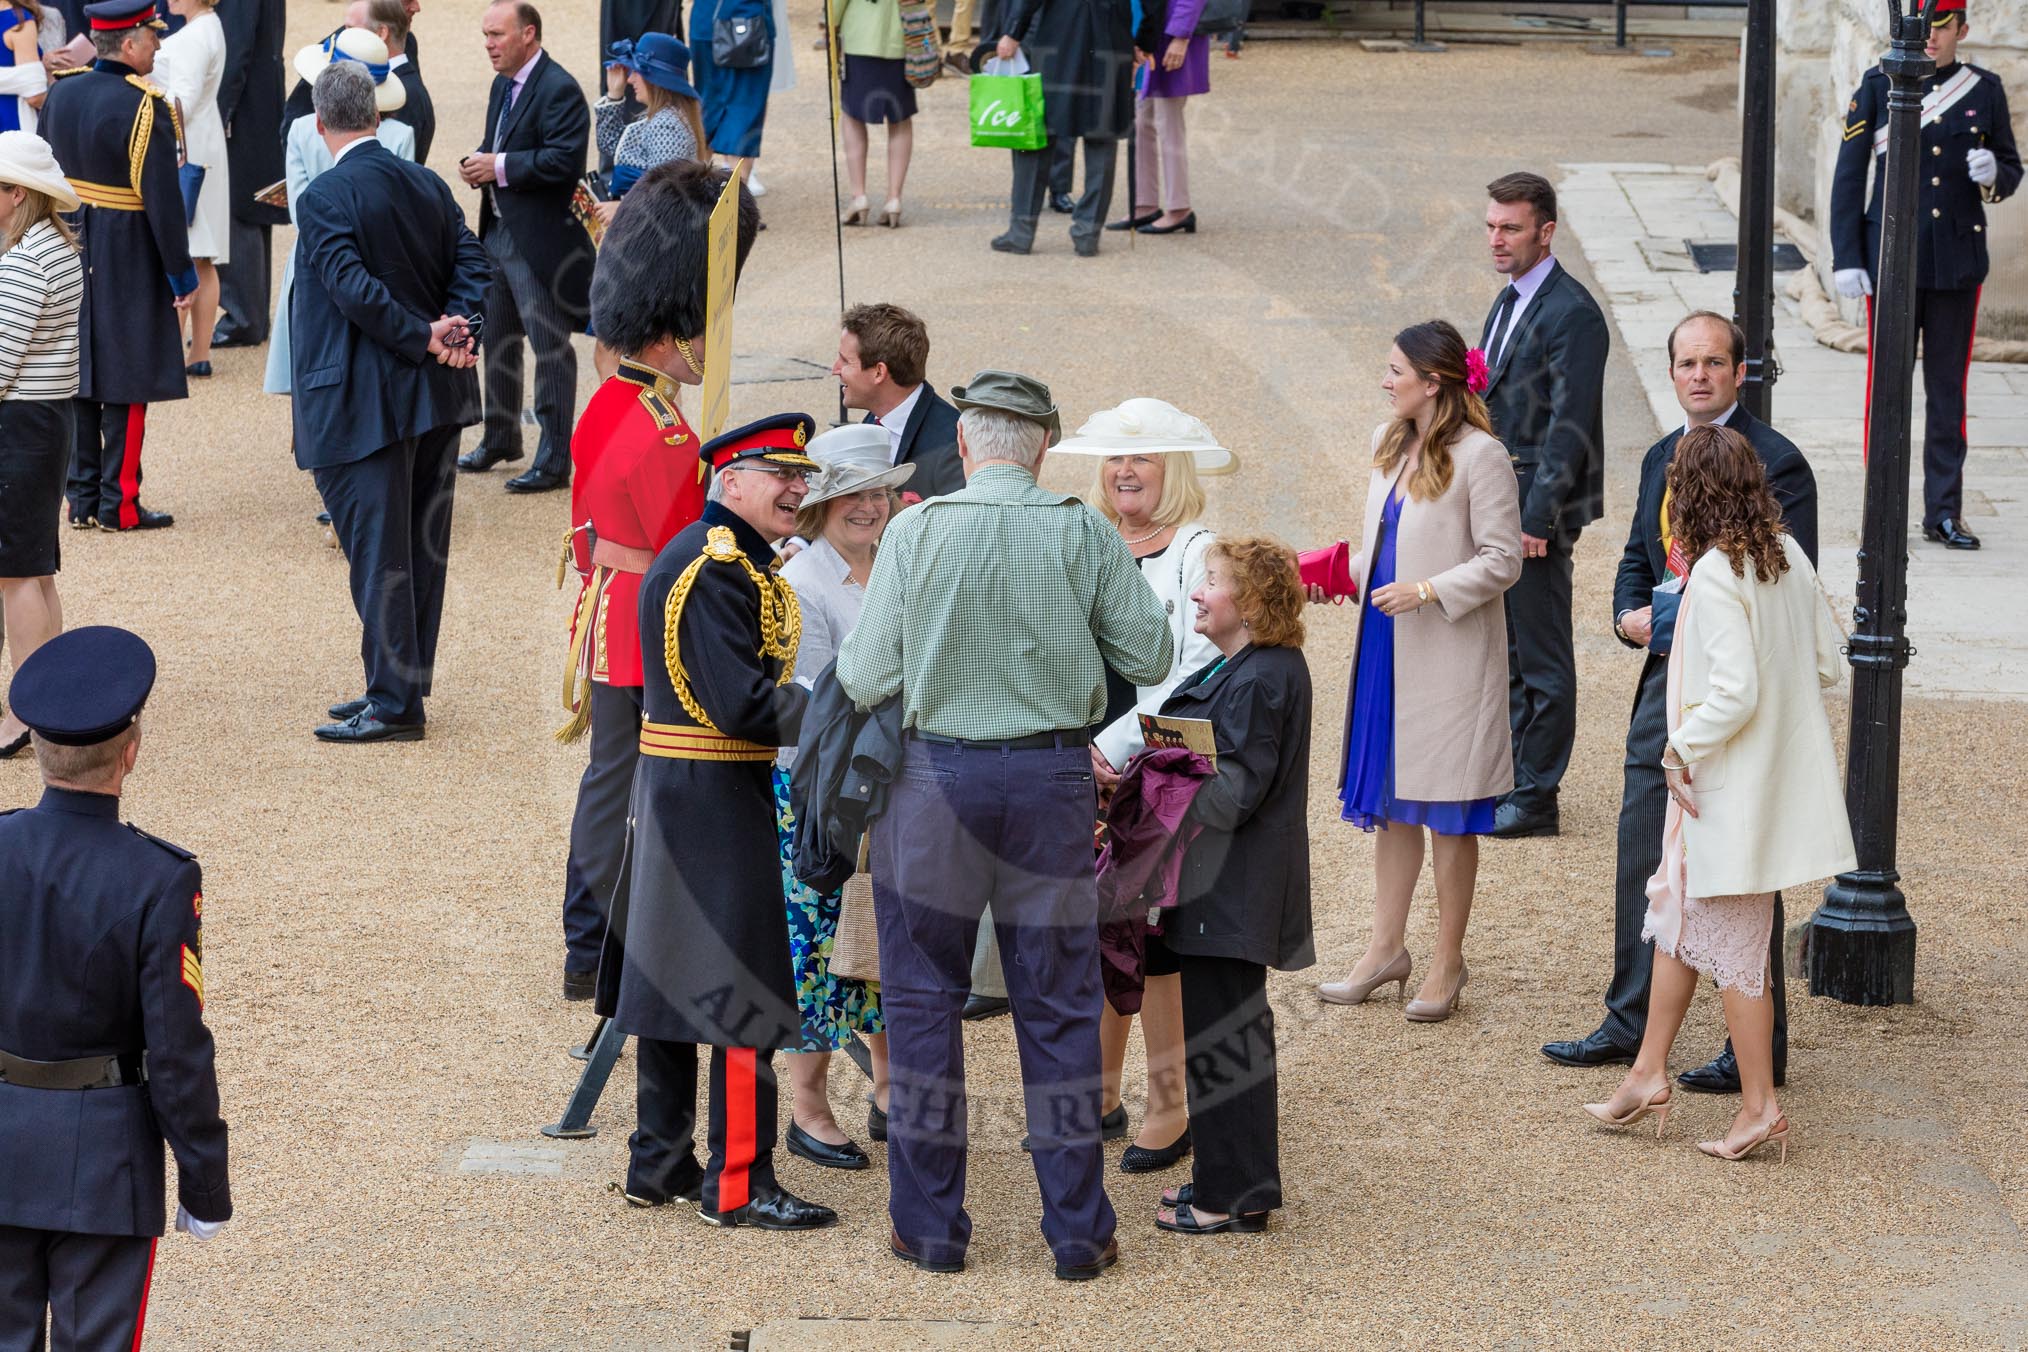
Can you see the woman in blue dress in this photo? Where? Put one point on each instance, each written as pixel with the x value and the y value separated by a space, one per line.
pixel 21 74
pixel 735 98
pixel 1426 737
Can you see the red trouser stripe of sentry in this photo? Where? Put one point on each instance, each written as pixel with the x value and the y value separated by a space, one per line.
pixel 141 1315
pixel 1866 417
pixel 736 1178
pixel 130 466
pixel 1965 386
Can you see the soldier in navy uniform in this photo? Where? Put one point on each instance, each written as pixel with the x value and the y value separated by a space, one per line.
pixel 103 1048
pixel 116 135
pixel 1968 160
pixel 697 949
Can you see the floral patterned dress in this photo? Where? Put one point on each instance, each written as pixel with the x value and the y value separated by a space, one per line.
pixel 833 1007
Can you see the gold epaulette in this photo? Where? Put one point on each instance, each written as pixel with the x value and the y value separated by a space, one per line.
pixel 781 617
pixel 144 128
pixel 72 70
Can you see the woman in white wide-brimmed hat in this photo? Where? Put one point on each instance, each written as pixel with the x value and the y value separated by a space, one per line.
pixel 41 288
pixel 1152 457
pixel 307 156
pixel 842 518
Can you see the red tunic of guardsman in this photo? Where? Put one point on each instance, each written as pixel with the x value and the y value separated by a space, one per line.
pixel 636 481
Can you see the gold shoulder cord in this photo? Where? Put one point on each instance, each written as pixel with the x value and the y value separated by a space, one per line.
pixel 781 618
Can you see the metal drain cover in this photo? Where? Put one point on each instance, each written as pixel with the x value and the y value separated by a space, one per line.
pixel 1723 256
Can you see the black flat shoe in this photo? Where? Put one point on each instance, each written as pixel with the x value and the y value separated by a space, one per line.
pixel 143 520
pixel 1951 534
pixel 364 727
pixel 901 1251
pixel 1061 203
pixel 846 1156
pixel 1720 1075
pixel 1134 222
pixel 1593 1049
pixel 1008 244
pixel 17 746
pixel 579 985
pixel 1186 1223
pixel 234 337
pixel 1187 226
pixel 200 369
pixel 482 458
pixel 876 1121
pixel 1139 1159
pixel 537 481
pixel 772 1208
pixel 1111 1127
pixel 1511 823
pixel 1084 1272
pixel 345 709
pixel 985 1006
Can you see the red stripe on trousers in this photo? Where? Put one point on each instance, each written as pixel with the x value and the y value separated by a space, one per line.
pixel 1866 417
pixel 130 466
pixel 735 1180
pixel 141 1318
pixel 1965 384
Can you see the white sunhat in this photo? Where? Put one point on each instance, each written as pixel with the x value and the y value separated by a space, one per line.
pixel 27 162
pixel 361 45
pixel 1149 427
pixel 854 458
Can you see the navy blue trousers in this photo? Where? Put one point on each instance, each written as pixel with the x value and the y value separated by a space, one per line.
pixel 968 826
pixel 61 1290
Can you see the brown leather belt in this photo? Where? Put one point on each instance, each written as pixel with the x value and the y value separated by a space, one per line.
pixel 621 558
pixel 85 1072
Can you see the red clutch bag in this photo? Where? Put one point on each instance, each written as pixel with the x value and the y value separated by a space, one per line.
pixel 1331 569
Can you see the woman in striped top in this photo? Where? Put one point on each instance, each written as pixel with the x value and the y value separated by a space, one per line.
pixel 41 287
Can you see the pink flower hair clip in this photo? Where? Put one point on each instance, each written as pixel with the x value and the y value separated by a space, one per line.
pixel 1477 378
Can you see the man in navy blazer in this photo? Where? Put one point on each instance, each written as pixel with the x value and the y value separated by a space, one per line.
pixel 388 298
pixel 1707 361
pixel 883 355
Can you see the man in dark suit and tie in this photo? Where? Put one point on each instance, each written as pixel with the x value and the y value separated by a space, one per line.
pixel 388 21
pixel 390 287
pixel 250 100
pixel 1545 344
pixel 538 128
pixel 882 357
pixel 1707 360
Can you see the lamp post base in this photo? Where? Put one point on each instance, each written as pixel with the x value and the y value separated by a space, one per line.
pixel 1861 948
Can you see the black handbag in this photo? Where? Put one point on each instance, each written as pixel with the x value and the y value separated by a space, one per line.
pixel 740 42
pixel 1221 16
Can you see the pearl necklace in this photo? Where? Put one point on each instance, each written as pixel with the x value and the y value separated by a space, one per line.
pixel 1145 538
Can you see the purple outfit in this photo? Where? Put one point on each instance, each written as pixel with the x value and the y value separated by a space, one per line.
pixel 1148 832
pixel 1194 75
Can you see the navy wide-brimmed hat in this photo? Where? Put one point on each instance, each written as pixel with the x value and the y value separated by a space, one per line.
pixel 84 686
pixel 661 60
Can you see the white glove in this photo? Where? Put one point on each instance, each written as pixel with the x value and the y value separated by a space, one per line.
pixel 1852 283
pixel 1983 167
pixel 195 1228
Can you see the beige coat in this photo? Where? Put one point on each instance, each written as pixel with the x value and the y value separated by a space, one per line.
pixel 1763 772
pixel 1451 737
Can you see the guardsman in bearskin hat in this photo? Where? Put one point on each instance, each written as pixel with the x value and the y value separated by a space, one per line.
pixel 637 479
pixel 116 135
pixel 1968 161
pixel 698 950
pixel 103 1048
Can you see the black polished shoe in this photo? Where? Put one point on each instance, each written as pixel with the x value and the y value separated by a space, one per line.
pixel 1720 1075
pixel 1951 534
pixel 1187 226
pixel 1085 246
pixel 803 1144
pixel 143 520
pixel 1141 1160
pixel 985 1006
pixel 231 335
pixel 876 1121
pixel 538 481
pixel 773 1208
pixel 1061 203
pixel 323 518
pixel 1084 1272
pixel 1511 823
pixel 344 709
pixel 200 369
pixel 1008 244
pixel 1134 222
pixel 483 457
pixel 1111 1128
pixel 364 727
pixel 580 985
pixel 901 1251
pixel 1595 1048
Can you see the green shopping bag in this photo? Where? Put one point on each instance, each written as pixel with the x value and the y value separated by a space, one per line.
pixel 1007 112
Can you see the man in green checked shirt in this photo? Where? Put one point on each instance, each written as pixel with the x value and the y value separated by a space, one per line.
pixel 993 613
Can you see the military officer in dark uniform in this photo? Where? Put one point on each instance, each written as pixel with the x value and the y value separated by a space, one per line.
pixel 699 939
pixel 1968 160
pixel 116 137
pixel 103 1048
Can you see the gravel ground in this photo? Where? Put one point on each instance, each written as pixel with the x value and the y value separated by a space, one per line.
pixel 383 939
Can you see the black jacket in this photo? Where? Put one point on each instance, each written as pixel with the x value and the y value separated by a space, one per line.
pixel 545 137
pixel 102 944
pixel 930 443
pixel 839 783
pixel 1950 217
pixel 250 96
pixel 1644 563
pixel 1547 401
pixel 364 299
pixel 1084 52
pixel 1245 887
pixel 417 111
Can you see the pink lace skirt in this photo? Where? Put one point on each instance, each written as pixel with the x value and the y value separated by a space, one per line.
pixel 1725 938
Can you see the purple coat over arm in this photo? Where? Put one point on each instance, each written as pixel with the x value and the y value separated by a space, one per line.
pixel 1194 75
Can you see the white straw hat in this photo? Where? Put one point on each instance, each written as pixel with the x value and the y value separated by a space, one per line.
pixel 361 45
pixel 1149 427
pixel 854 458
pixel 26 162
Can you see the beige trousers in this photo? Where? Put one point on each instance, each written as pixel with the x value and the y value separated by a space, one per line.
pixel 1161 155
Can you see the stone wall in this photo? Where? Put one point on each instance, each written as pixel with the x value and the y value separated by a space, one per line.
pixel 1824 47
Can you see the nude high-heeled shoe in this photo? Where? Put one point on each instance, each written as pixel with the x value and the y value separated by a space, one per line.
pixel 1657 1103
pixel 855 214
pixel 1350 992
pixel 890 215
pixel 1774 1133
pixel 1436 1011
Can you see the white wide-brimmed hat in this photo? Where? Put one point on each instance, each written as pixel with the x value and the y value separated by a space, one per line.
pixel 27 162
pixel 854 458
pixel 361 45
pixel 1149 427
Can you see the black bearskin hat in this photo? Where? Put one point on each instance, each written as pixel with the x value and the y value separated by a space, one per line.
pixel 650 280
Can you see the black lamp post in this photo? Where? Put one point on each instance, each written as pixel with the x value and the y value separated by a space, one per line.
pixel 1753 293
pixel 1862 939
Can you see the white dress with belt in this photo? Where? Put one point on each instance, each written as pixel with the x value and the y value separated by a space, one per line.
pixel 189 68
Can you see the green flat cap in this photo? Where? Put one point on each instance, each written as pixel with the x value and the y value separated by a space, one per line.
pixel 1010 392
